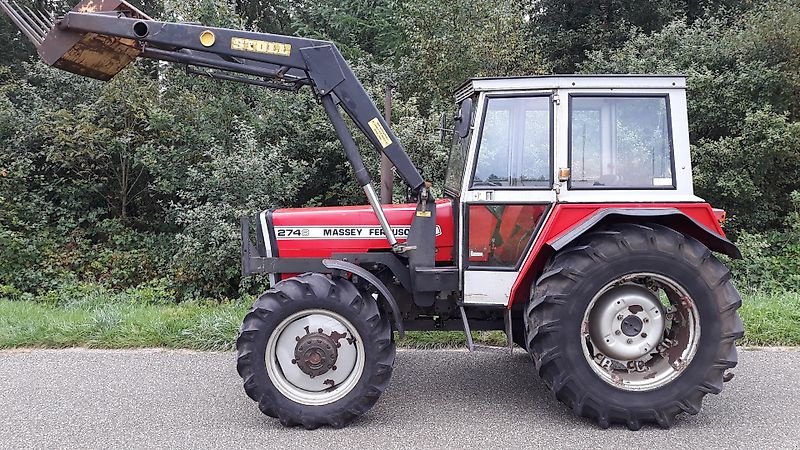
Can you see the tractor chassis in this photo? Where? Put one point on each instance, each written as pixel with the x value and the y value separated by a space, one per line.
pixel 362 266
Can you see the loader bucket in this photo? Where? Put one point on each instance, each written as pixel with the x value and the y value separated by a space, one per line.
pixel 87 54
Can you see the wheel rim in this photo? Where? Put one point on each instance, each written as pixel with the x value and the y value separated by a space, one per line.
pixel 640 331
pixel 315 357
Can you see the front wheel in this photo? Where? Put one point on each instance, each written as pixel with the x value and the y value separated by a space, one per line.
pixel 314 351
pixel 634 324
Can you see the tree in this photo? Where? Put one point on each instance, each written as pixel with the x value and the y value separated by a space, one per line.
pixel 97 145
pixel 358 27
pixel 742 99
pixel 569 29
pixel 269 16
pixel 450 42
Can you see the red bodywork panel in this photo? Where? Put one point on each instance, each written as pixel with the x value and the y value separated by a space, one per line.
pixel 321 232
pixel 566 216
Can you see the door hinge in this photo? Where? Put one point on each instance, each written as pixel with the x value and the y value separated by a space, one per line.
pixel 556 99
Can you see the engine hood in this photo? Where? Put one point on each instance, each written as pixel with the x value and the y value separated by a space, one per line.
pixel 321 232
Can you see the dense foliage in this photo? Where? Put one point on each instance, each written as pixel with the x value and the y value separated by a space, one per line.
pixel 139 182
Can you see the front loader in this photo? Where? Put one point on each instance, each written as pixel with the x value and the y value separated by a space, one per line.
pixel 568 221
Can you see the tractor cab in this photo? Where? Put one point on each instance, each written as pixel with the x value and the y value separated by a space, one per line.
pixel 522 145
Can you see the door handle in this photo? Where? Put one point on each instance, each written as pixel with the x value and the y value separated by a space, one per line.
pixel 483 196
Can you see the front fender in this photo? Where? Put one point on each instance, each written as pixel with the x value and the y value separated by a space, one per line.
pixel 336 264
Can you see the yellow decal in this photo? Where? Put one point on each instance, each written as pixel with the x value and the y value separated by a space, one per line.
pixel 255 46
pixel 380 133
pixel 423 213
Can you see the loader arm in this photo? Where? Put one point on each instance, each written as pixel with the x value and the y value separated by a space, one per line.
pixel 98 38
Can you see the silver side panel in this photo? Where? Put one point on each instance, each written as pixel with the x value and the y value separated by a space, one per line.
pixel 267 245
pixel 488 287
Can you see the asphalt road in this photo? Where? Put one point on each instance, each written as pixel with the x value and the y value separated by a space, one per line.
pixel 437 399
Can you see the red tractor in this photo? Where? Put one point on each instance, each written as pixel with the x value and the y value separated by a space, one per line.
pixel 567 220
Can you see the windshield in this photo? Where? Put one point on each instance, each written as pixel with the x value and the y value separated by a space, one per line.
pixel 456 162
pixel 457 159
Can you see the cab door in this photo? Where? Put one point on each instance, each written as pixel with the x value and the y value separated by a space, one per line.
pixel 507 191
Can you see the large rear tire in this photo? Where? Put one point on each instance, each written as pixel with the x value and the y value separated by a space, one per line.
pixel 314 351
pixel 592 309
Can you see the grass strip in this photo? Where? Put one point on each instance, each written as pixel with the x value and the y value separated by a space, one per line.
pixel 771 319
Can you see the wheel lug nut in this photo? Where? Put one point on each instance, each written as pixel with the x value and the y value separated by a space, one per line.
pixel 629 341
pixel 619 317
pixel 618 332
pixel 646 320
pixel 644 335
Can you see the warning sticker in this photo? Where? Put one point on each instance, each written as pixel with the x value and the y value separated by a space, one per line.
pixel 343 232
pixel 380 132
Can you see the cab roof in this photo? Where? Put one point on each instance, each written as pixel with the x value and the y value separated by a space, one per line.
pixel 579 81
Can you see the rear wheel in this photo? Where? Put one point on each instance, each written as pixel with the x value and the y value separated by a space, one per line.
pixel 313 351
pixel 634 324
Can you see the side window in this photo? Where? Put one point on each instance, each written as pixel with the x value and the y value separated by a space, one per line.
pixel 514 150
pixel 499 234
pixel 620 142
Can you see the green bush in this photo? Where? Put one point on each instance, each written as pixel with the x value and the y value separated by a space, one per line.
pixel 743 104
pixel 751 175
pixel 83 295
pixel 132 189
pixel 770 261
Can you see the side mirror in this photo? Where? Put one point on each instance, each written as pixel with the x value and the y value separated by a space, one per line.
pixel 464 116
pixel 444 132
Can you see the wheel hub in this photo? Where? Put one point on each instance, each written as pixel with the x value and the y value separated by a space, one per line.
pixel 631 325
pixel 640 331
pixel 319 367
pixel 627 322
pixel 316 353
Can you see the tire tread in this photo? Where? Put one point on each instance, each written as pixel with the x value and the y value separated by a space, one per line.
pixel 566 270
pixel 311 286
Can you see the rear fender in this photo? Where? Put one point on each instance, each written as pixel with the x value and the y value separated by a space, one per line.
pixel 669 217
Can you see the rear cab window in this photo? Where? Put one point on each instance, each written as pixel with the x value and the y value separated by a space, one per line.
pixel 620 142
